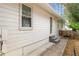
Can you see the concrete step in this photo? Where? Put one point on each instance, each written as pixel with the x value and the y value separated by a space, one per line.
pixel 56 50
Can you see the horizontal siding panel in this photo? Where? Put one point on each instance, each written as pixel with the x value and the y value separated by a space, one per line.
pixel 12 6
pixel 17 52
pixel 40 50
pixel 9 17
pixel 21 44
pixel 17 42
pixel 29 49
pixel 9 20
pixel 8 12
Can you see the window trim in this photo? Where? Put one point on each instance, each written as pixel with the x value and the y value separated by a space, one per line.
pixel 20 15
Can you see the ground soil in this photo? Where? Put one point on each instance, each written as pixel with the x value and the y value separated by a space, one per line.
pixel 72 48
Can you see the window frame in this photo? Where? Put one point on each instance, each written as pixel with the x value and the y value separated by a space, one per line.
pixel 20 15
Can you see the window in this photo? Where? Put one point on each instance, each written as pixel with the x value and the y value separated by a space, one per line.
pixel 25 22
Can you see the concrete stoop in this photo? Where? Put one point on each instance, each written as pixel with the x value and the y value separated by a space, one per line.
pixel 56 50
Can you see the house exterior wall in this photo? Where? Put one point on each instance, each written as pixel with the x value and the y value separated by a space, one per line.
pixel 28 42
pixel 55 27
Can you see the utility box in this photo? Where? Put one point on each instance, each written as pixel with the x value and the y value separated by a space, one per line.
pixel 54 39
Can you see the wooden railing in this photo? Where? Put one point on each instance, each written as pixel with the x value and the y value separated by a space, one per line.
pixel 69 34
pixel 65 33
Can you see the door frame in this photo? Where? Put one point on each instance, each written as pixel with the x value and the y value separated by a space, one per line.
pixel 51 24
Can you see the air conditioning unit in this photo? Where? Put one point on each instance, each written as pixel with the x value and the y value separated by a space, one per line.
pixel 54 39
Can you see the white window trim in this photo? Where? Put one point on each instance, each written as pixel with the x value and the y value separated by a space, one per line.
pixel 20 15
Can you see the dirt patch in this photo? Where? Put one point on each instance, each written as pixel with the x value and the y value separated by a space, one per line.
pixel 72 48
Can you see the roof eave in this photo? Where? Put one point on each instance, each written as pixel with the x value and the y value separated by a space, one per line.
pixel 48 8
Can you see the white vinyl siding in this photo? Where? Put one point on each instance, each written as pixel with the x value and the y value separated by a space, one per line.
pixel 14 38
